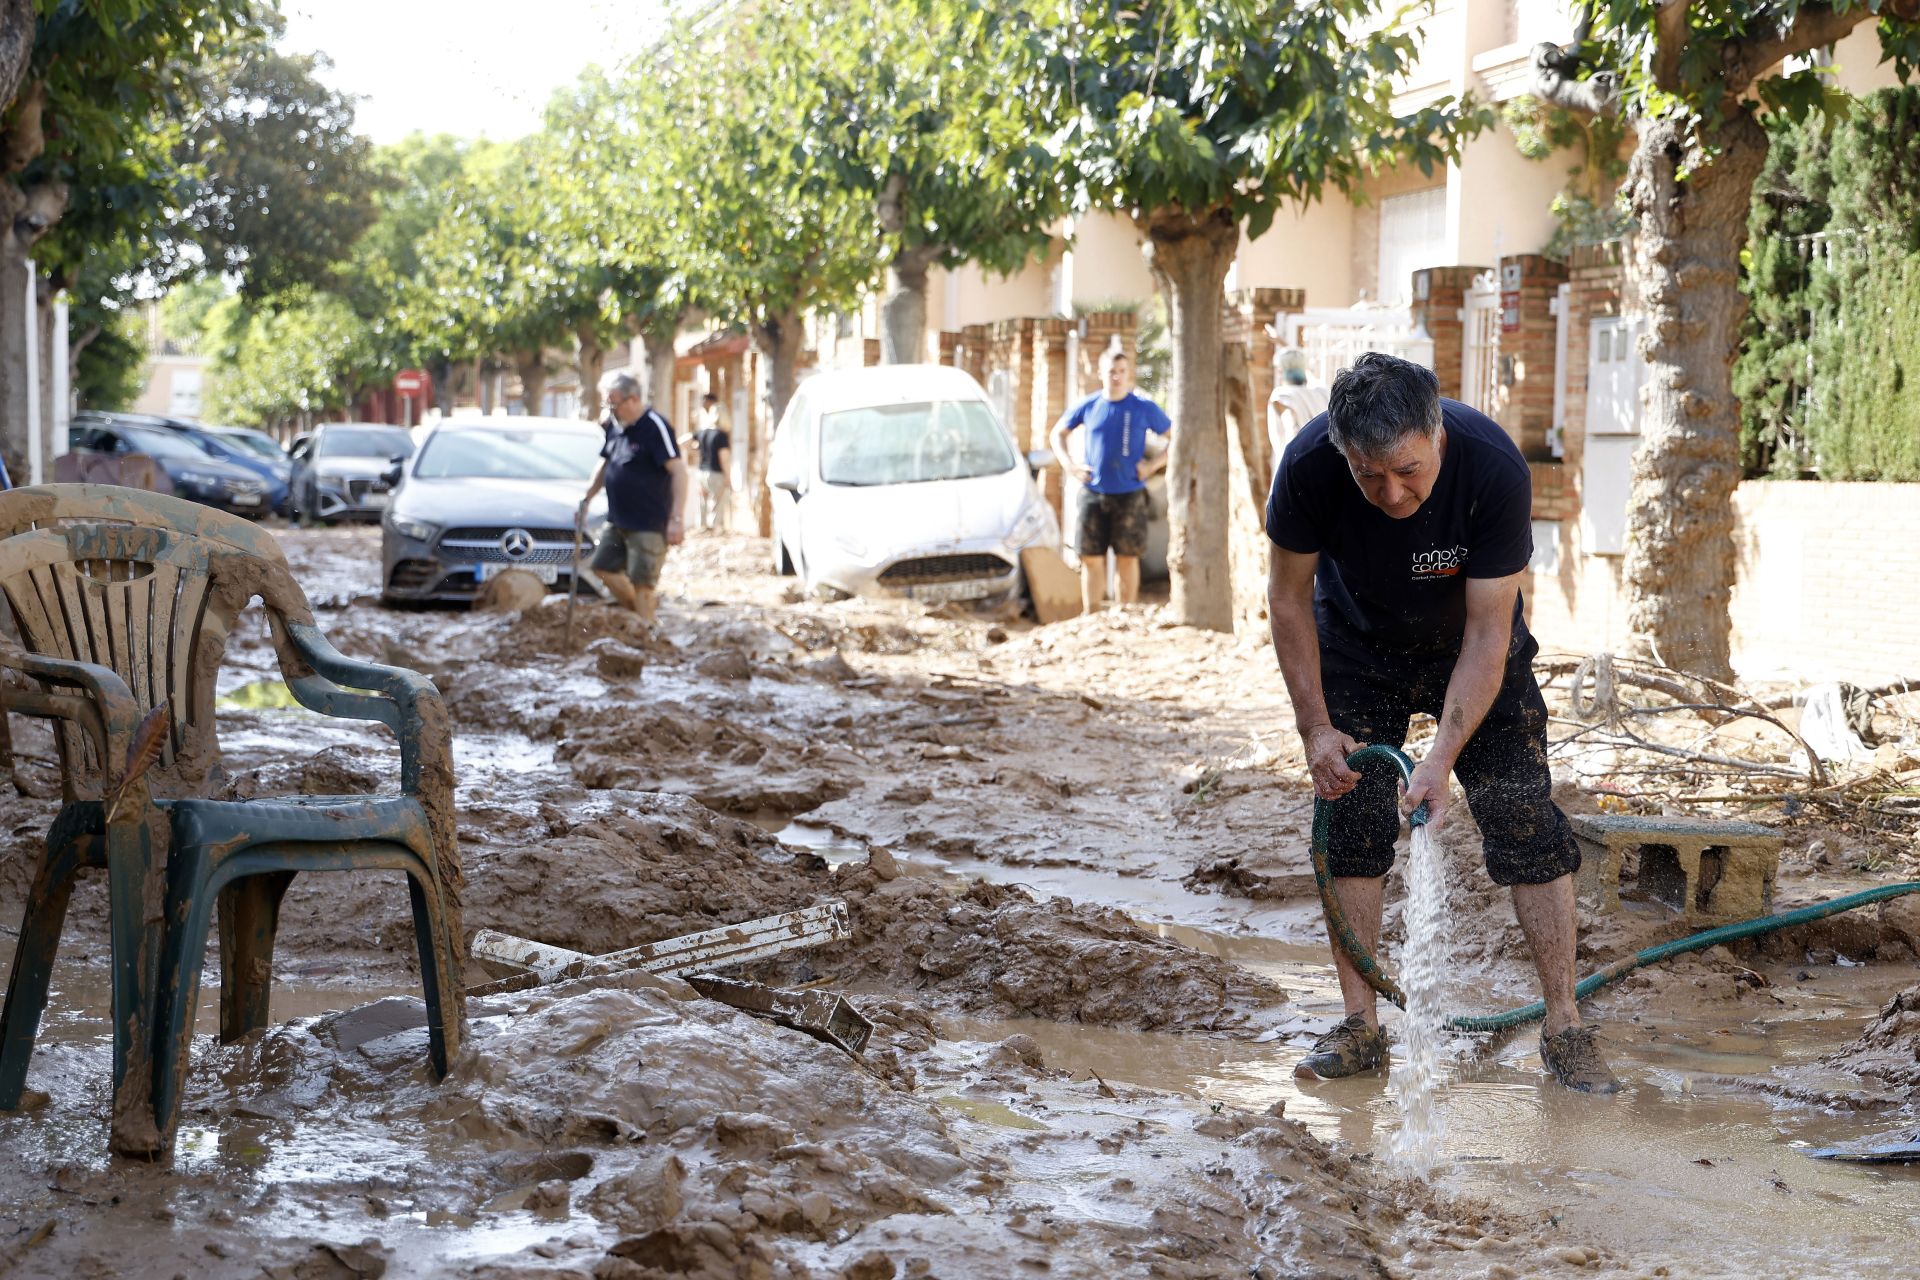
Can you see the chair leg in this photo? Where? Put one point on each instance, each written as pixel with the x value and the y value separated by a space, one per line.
pixel 438 973
pixel 33 968
pixel 189 912
pixel 249 919
pixel 135 897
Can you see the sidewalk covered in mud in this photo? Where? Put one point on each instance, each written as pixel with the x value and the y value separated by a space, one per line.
pixel 1081 920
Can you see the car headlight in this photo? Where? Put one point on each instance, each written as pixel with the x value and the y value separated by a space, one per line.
pixel 206 478
pixel 1029 527
pixel 418 530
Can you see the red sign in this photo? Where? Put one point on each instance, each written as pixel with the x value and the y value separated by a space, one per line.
pixel 410 382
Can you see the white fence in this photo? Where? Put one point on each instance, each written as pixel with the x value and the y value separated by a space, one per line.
pixel 1333 337
pixel 1480 344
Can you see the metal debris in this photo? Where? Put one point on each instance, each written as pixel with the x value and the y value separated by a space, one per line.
pixel 825 1015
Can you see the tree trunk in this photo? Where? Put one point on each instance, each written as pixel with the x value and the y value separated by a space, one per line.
pixel 1190 256
pixel 483 385
pixel 590 360
pixel 25 216
pixel 903 308
pixel 1685 272
pixel 778 338
pixel 532 368
pixel 49 408
pixel 660 364
pixel 440 370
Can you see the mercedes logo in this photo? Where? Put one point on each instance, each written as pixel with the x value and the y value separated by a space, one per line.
pixel 517 544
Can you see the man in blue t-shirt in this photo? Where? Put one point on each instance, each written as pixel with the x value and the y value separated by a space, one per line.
pixel 1401 525
pixel 646 482
pixel 1114 424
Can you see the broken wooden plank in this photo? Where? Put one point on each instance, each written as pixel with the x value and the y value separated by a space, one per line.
pixel 720 948
pixel 824 1015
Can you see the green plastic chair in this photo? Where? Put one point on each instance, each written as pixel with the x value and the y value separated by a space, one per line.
pixel 124 600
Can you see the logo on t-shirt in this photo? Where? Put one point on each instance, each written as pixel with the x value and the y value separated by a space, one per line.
pixel 1443 563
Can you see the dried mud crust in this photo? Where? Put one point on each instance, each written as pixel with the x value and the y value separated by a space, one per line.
pixel 1889 1049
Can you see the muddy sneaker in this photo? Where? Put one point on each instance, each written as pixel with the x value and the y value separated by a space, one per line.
pixel 1349 1049
pixel 1573 1058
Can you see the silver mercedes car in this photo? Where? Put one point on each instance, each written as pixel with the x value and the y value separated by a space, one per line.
pixel 483 495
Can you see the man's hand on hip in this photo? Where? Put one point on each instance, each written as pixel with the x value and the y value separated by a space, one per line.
pixel 1327 752
pixel 1428 785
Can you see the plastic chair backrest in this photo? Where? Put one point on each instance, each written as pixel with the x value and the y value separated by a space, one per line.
pixel 148 586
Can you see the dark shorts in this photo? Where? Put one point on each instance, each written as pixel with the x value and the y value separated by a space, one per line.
pixel 1503 768
pixel 638 553
pixel 1113 521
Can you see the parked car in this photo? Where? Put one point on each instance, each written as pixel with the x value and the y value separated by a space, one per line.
pixel 222 443
pixel 484 495
pixel 901 481
pixel 340 470
pixel 193 472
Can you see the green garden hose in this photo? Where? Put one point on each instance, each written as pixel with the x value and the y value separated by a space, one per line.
pixel 1377 978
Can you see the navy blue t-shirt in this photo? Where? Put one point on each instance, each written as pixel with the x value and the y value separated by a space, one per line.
pixel 1116 438
pixel 1389 588
pixel 639 486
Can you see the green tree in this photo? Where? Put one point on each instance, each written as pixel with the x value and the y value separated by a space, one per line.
pixel 288 186
pixel 1201 121
pixel 110 359
pixel 95 77
pixel 1773 376
pixel 950 170
pixel 301 355
pixel 1694 79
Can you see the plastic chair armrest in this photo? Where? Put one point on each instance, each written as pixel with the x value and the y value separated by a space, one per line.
pixel 395 697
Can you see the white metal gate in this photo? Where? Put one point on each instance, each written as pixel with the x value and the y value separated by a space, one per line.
pixel 1334 337
pixel 1480 343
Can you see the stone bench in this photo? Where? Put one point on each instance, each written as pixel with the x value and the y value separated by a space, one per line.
pixel 1710 872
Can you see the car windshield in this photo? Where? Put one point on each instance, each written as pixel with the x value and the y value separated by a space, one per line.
pixel 163 444
pixel 365 442
pixel 912 443
pixel 510 455
pixel 260 445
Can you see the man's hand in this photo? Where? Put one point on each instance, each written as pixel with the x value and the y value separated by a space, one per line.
pixel 1145 468
pixel 1082 472
pixel 1327 752
pixel 676 531
pixel 1428 785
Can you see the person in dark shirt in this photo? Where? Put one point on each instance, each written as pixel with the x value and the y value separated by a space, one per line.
pixel 1401 524
pixel 715 448
pixel 646 482
pixel 1114 423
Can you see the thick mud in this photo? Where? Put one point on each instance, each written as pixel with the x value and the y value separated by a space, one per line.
pixel 1075 862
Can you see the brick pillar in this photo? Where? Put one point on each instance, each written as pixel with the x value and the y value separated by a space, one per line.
pixel 1596 275
pixel 1049 364
pixel 1528 283
pixel 1012 352
pixel 869 352
pixel 950 341
pixel 1439 293
pixel 971 352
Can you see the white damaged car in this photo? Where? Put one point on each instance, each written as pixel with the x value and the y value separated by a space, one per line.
pixel 900 480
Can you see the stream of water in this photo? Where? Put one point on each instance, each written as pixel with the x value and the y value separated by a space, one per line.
pixel 1423 1031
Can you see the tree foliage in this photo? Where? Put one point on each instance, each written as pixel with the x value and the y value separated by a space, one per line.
pixel 287 185
pixel 302 353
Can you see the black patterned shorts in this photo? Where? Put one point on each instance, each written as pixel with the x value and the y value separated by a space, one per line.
pixel 1116 521
pixel 1503 768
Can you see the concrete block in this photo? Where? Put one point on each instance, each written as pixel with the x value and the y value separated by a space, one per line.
pixel 1709 872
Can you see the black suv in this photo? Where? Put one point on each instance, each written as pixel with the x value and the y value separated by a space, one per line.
pixel 193 472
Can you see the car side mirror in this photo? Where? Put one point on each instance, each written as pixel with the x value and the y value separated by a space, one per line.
pixel 392 473
pixel 789 483
pixel 1039 460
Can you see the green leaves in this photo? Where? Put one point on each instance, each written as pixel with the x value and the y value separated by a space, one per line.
pixel 1247 106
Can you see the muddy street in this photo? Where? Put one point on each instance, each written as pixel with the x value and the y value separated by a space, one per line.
pixel 1083 922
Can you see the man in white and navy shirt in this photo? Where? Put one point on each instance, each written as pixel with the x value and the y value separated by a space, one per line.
pixel 646 482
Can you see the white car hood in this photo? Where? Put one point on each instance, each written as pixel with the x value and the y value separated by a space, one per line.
pixel 898 519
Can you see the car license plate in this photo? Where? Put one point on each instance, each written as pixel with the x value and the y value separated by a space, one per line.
pixel 547 573
pixel 373 500
pixel 941 592
pixel 246 500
